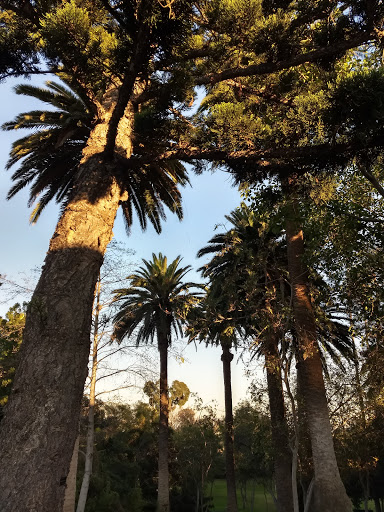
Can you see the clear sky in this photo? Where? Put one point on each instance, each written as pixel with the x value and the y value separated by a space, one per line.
pixel 205 204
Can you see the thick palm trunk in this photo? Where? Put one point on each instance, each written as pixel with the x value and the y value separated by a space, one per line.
pixel 163 480
pixel 329 491
pixel 282 453
pixel 39 429
pixel 226 358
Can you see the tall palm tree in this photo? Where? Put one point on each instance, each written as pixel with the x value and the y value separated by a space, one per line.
pixel 119 57
pixel 245 268
pixel 215 322
pixel 156 304
pixel 49 158
pixel 255 266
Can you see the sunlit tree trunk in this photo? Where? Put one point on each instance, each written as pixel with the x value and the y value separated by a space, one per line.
pixel 39 429
pixel 70 491
pixel 226 358
pixel 163 478
pixel 304 448
pixel 91 408
pixel 329 491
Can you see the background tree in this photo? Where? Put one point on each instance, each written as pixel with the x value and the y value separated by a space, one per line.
pixel 112 274
pixel 197 442
pixel 11 335
pixel 213 321
pixel 156 303
pixel 245 273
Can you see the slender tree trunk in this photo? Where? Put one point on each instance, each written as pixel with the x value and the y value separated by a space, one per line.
pixel 282 453
pixel 329 491
pixel 226 358
pixel 377 505
pixel 304 448
pixel 163 481
pixel 91 409
pixel 280 434
pixel 294 444
pixel 39 428
pixel 70 491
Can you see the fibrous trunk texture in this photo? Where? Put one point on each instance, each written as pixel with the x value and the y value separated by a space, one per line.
pixel 163 480
pixel 282 453
pixel 226 358
pixel 329 491
pixel 40 426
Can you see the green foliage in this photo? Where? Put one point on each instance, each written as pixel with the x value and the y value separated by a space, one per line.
pixel 178 393
pixel 197 443
pixel 253 448
pixel 122 478
pixel 125 464
pixel 157 300
pixel 357 105
pixel 11 333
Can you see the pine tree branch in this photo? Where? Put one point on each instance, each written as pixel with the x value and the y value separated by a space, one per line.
pixel 113 12
pixel 261 93
pixel 262 157
pixel 273 67
pixel 371 178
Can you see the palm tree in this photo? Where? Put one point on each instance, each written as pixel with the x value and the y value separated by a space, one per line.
pixel 254 266
pixel 215 322
pixel 49 162
pixel 245 268
pixel 156 304
pixel 49 158
pixel 121 63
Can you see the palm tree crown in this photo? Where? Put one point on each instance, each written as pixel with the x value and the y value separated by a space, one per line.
pixel 49 158
pixel 157 298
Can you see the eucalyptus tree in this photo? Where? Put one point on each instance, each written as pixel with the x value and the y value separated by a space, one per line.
pixel 156 304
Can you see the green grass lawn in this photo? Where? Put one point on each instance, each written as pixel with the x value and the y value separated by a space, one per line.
pixel 262 503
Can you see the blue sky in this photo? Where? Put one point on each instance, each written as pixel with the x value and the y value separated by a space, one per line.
pixel 205 204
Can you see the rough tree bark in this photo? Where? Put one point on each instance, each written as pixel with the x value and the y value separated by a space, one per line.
pixel 39 429
pixel 163 478
pixel 226 358
pixel 329 492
